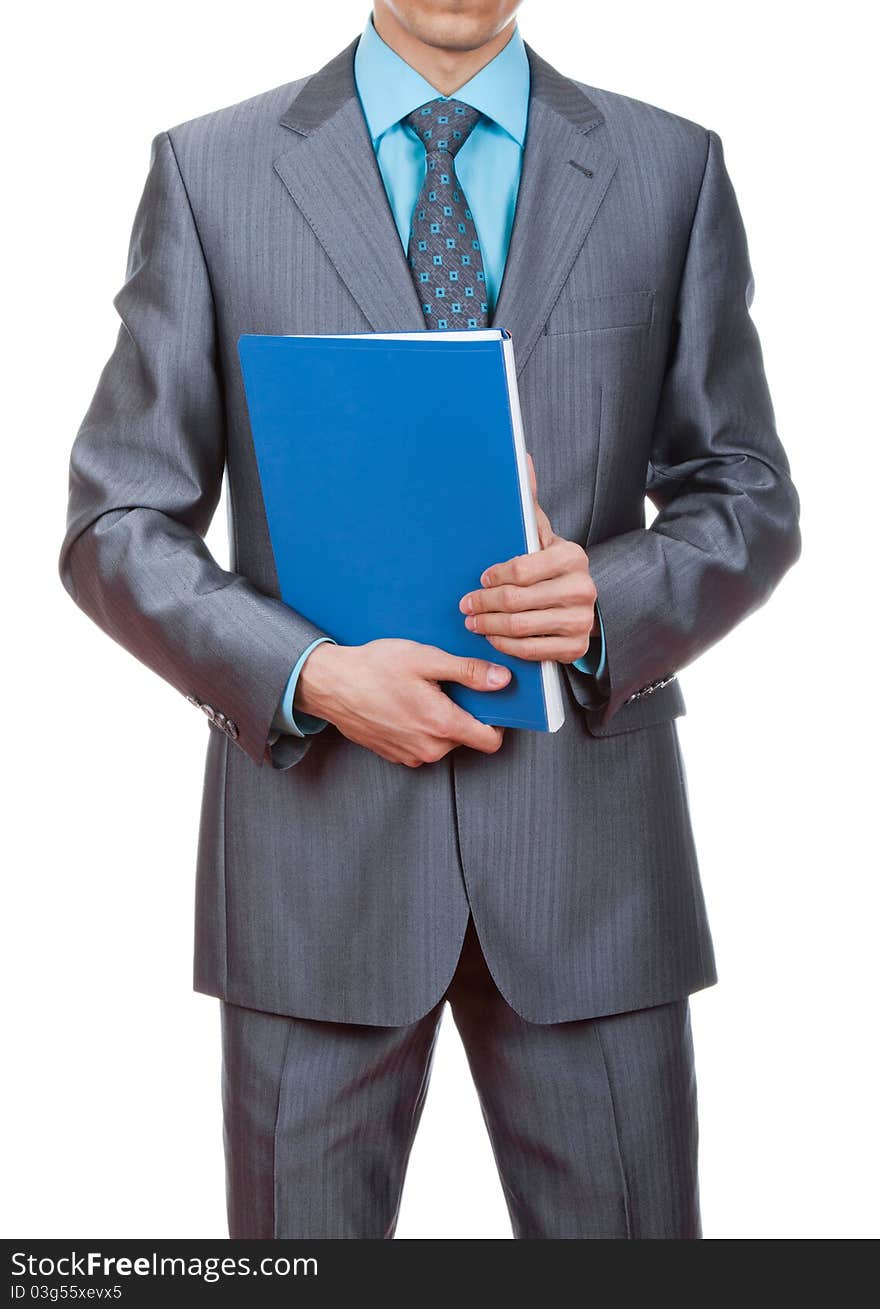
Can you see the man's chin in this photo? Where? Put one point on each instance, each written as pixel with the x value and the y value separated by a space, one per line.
pixel 453 35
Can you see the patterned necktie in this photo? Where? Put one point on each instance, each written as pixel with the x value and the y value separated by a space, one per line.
pixel 444 252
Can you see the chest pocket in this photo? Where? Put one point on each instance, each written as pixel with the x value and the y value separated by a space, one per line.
pixel 618 311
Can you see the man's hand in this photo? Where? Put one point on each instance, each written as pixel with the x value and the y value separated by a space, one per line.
pixel 537 606
pixel 385 695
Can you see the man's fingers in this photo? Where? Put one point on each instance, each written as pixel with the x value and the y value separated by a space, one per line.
pixel 452 723
pixel 545 531
pixel 479 674
pixel 561 649
pixel 546 535
pixel 567 621
pixel 469 731
pixel 522 570
pixel 533 480
pixel 572 588
pixel 568 590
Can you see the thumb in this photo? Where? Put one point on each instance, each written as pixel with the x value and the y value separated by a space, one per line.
pixel 478 674
pixel 545 530
pixel 533 479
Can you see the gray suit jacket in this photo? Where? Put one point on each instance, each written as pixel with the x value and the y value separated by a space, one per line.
pixel 332 884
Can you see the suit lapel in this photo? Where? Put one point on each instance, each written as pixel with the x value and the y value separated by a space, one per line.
pixel 332 174
pixel 565 174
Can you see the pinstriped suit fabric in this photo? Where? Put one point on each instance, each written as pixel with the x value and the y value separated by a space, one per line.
pixel 593 1124
pixel 331 884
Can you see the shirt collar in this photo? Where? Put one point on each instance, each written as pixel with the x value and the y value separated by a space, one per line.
pixel 389 87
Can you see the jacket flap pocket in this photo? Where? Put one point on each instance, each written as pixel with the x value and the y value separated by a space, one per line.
pixel 574 312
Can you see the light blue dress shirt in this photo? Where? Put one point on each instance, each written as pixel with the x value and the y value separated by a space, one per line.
pixel 488 167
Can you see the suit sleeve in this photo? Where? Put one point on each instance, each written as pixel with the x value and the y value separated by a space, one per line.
pixel 727 526
pixel 146 473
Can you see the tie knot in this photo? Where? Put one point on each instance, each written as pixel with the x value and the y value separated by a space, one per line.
pixel 443 125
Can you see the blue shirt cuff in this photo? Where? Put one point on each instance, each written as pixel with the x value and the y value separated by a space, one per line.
pixel 287 719
pixel 593 661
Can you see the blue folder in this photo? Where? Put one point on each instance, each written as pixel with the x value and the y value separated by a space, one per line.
pixel 393 472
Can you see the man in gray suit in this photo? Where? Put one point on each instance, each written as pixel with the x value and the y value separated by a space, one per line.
pixel 368 851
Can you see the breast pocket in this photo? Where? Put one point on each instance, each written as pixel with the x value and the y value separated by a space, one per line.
pixel 618 311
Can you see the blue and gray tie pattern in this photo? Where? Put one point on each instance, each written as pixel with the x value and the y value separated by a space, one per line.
pixel 444 250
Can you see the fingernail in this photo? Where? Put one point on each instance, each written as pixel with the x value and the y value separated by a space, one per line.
pixel 497 675
pixel 466 604
pixel 470 623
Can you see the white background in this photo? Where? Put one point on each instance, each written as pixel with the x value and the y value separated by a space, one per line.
pixel 112 1062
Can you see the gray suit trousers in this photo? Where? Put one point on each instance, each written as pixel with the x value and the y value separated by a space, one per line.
pixel 593 1122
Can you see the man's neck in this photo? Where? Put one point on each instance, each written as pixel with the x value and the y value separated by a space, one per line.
pixel 445 68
